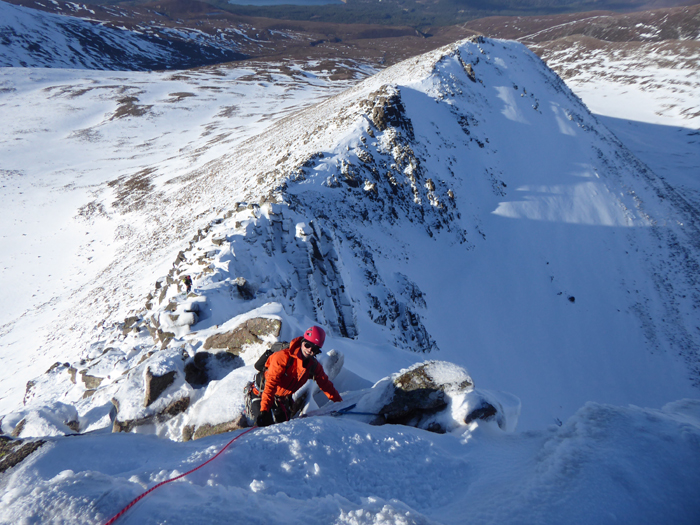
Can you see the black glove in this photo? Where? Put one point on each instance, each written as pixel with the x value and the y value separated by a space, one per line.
pixel 264 419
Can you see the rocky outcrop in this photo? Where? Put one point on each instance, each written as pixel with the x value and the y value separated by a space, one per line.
pixel 440 396
pixel 156 385
pixel 423 391
pixel 485 411
pixel 14 451
pixel 191 432
pixel 17 431
pixel 417 393
pixel 205 367
pixel 91 382
pixel 173 409
pixel 387 110
pixel 251 332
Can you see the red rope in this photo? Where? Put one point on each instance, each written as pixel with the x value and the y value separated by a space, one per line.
pixel 135 501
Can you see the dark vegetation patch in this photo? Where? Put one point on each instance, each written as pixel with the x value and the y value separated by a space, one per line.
pixel 128 107
pixel 364 31
pixel 131 193
pixel 177 97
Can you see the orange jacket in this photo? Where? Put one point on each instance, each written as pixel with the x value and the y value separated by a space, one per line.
pixel 286 374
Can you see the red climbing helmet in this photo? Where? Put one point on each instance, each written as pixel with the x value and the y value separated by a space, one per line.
pixel 315 335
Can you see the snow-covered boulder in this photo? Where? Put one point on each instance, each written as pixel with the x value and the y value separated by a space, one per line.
pixel 153 392
pixel 219 408
pixel 54 419
pixel 435 395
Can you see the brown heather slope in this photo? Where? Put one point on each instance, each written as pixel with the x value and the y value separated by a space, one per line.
pixel 264 39
pixel 613 46
pixel 676 23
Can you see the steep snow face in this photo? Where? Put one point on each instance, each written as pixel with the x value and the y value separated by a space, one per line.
pixel 32 38
pixel 647 96
pixel 546 255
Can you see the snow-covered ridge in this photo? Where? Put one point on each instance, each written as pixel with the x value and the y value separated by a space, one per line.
pixel 32 38
pixel 463 207
pixel 360 212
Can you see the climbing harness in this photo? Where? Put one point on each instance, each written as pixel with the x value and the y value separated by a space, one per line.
pixel 348 410
pixel 123 511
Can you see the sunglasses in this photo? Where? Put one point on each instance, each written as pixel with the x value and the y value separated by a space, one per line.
pixel 314 348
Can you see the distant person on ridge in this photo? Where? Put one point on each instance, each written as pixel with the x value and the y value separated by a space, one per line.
pixel 285 372
pixel 188 283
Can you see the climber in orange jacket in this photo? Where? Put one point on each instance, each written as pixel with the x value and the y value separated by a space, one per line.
pixel 287 371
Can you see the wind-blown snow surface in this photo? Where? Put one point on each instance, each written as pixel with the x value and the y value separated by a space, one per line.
pixel 605 465
pixel 492 221
pixel 650 104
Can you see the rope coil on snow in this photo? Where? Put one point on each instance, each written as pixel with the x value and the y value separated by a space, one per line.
pixel 136 500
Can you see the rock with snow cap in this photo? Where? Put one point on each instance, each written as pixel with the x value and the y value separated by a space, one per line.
pixel 152 392
pixel 437 396
pixel 421 390
pixel 54 419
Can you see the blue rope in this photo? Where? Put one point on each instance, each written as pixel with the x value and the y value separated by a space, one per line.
pixel 348 410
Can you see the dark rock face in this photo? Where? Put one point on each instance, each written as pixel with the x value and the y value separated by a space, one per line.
pixel 195 375
pixel 389 111
pixel 486 411
pixel 244 289
pixel 415 393
pixel 14 451
pixel 205 367
pixel 468 69
pixel 156 385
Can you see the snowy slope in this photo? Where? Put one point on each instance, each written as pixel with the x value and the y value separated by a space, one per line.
pixel 32 38
pixel 76 145
pixel 462 206
pixel 562 270
pixel 650 102
pixel 605 465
